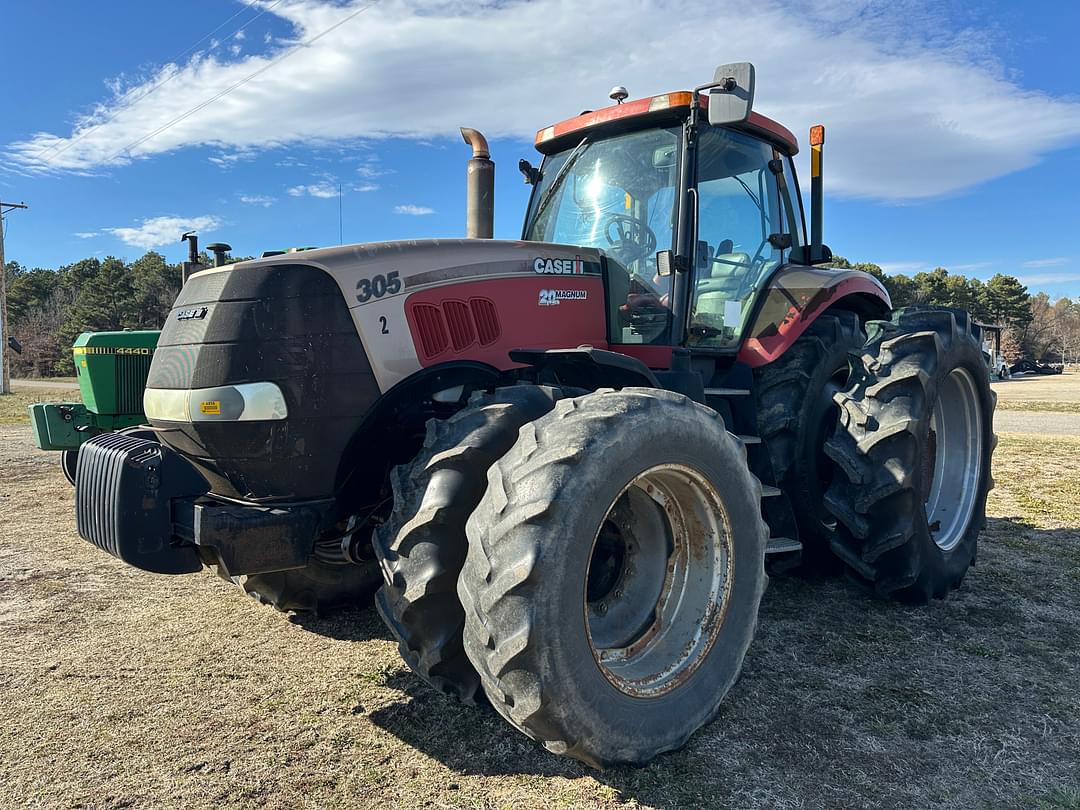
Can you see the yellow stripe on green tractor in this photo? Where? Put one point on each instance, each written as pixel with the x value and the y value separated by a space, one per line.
pixel 112 369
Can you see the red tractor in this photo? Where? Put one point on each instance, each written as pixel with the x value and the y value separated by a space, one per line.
pixel 564 461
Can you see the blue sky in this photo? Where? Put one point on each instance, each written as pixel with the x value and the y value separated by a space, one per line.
pixel 953 128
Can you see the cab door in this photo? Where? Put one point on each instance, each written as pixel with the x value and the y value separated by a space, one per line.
pixel 746 228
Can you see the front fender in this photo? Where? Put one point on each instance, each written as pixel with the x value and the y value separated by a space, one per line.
pixel 794 299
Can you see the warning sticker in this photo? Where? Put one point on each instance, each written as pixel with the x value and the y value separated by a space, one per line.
pixel 212 407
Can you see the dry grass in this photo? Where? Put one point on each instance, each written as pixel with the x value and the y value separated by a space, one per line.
pixel 1038 388
pixel 121 689
pixel 1037 405
pixel 13 406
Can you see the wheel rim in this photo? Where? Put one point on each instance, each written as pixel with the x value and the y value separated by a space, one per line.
pixel 658 580
pixel 954 459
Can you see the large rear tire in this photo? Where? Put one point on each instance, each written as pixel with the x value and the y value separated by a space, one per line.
pixel 422 545
pixel 613 576
pixel 796 415
pixel 912 452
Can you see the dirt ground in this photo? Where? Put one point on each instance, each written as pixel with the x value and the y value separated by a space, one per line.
pixel 124 689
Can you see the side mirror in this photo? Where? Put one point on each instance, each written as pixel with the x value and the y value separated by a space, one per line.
pixel 530 172
pixel 665 261
pixel 731 95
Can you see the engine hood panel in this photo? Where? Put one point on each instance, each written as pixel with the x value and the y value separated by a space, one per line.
pixel 377 279
pixel 426 262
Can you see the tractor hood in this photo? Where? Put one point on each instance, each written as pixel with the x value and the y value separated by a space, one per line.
pixel 423 302
pixel 261 362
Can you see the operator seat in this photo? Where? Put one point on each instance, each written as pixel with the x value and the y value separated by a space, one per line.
pixel 718 282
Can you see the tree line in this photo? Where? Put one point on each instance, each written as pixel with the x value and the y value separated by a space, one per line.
pixel 47 309
pixel 1035 326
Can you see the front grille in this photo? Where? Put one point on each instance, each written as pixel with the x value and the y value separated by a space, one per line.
pixel 124 493
pixel 98 506
pixel 131 372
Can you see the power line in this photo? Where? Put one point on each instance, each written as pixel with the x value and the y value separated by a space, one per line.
pixel 175 60
pixel 243 81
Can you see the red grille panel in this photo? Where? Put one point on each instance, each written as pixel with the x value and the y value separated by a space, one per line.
pixel 438 327
pixel 486 320
pixel 462 333
pixel 430 329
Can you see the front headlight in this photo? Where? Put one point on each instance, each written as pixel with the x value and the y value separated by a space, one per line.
pixel 247 402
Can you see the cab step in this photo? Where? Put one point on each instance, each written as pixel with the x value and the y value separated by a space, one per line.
pixel 750 439
pixel 727 392
pixel 782 545
pixel 769 492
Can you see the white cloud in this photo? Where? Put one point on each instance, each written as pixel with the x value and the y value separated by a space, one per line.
pixel 905 268
pixel 1049 278
pixel 240 35
pixel 257 199
pixel 413 210
pixel 1056 261
pixel 226 160
pixel 85 234
pixel 366 187
pixel 159 231
pixel 912 110
pixel 324 190
pixel 372 167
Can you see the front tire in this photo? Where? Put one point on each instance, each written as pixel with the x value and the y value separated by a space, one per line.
pixel 613 576
pixel 69 463
pixel 422 545
pixel 913 452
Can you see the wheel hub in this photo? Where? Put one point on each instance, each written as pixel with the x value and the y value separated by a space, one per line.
pixel 658 581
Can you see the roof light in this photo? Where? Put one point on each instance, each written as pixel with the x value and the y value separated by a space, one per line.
pixel 668 100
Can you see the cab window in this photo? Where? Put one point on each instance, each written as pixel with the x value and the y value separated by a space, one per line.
pixel 738 210
pixel 617 194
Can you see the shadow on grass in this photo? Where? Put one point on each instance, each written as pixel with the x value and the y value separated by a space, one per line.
pixel 833 667
pixel 349 624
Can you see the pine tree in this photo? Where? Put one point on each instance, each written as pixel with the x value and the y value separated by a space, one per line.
pixel 1007 301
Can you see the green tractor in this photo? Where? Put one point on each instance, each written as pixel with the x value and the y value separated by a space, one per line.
pixel 112 369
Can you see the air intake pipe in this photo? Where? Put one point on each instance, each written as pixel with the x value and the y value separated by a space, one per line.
pixel 480 194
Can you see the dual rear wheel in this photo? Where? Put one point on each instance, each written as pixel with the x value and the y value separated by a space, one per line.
pixel 606 586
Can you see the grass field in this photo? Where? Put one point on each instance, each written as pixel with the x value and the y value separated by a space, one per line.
pixel 122 689
pixel 13 406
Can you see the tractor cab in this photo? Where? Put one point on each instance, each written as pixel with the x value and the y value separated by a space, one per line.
pixel 693 212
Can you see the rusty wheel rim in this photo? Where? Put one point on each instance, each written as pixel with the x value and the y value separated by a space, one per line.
pixel 658 581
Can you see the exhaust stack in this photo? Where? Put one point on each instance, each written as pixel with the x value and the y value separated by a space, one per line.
pixel 480 193
pixel 192 264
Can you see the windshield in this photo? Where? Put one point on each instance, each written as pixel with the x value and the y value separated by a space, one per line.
pixel 616 194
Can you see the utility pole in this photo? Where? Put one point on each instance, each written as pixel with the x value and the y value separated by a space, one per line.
pixel 5 381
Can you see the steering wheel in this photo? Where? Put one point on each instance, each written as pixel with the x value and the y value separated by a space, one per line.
pixel 632 238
